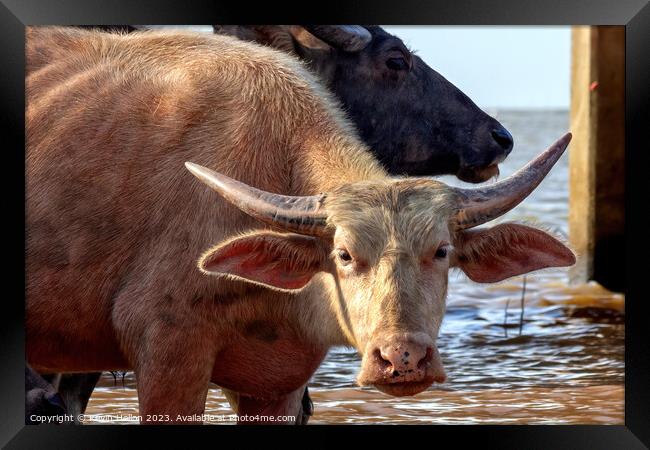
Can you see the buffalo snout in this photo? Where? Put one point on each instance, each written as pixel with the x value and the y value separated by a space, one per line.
pixel 403 365
pixel 491 146
pixel 503 138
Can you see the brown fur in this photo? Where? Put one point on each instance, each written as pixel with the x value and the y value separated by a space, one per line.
pixel 115 222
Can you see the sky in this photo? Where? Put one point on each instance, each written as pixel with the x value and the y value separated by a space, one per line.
pixel 498 67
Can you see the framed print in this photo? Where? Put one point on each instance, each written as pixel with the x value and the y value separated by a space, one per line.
pixel 429 219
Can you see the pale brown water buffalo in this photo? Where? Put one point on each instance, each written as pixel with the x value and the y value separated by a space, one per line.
pixel 415 121
pixel 115 225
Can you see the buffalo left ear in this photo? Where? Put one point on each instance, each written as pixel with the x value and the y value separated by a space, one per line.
pixel 309 47
pixel 506 250
pixel 306 40
pixel 283 261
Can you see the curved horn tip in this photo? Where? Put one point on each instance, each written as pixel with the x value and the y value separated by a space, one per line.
pixel 362 38
pixel 351 38
pixel 559 146
pixel 360 32
pixel 194 168
pixel 208 176
pixel 564 140
pixel 197 169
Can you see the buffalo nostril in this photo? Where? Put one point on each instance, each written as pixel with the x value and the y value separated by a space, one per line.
pixel 381 361
pixel 503 138
pixel 428 357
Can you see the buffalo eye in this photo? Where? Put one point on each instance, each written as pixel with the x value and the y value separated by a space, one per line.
pixel 344 256
pixel 397 64
pixel 441 252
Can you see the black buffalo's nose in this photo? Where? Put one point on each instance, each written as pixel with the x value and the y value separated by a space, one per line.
pixel 503 138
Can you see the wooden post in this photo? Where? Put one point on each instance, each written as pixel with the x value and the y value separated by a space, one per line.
pixel 597 155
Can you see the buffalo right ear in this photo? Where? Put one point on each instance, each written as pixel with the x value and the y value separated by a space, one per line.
pixel 488 255
pixel 283 261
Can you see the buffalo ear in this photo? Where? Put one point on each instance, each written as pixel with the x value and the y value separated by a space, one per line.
pixel 493 254
pixel 305 40
pixel 276 260
pixel 309 48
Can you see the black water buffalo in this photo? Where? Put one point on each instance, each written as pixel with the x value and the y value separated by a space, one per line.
pixel 415 121
pixel 43 404
pixel 75 389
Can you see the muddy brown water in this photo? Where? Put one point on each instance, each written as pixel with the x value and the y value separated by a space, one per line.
pixel 562 364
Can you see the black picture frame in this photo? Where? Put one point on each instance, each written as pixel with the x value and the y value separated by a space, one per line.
pixel 633 14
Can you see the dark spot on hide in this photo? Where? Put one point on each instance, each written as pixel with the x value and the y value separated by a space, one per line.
pixel 167 319
pixel 242 294
pixel 259 329
pixel 196 299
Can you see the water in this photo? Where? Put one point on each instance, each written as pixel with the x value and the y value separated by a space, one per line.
pixel 566 365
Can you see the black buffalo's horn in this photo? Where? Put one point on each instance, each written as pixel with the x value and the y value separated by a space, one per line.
pixel 350 38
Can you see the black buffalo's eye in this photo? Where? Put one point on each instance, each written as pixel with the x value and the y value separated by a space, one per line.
pixel 441 252
pixel 344 256
pixel 397 64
